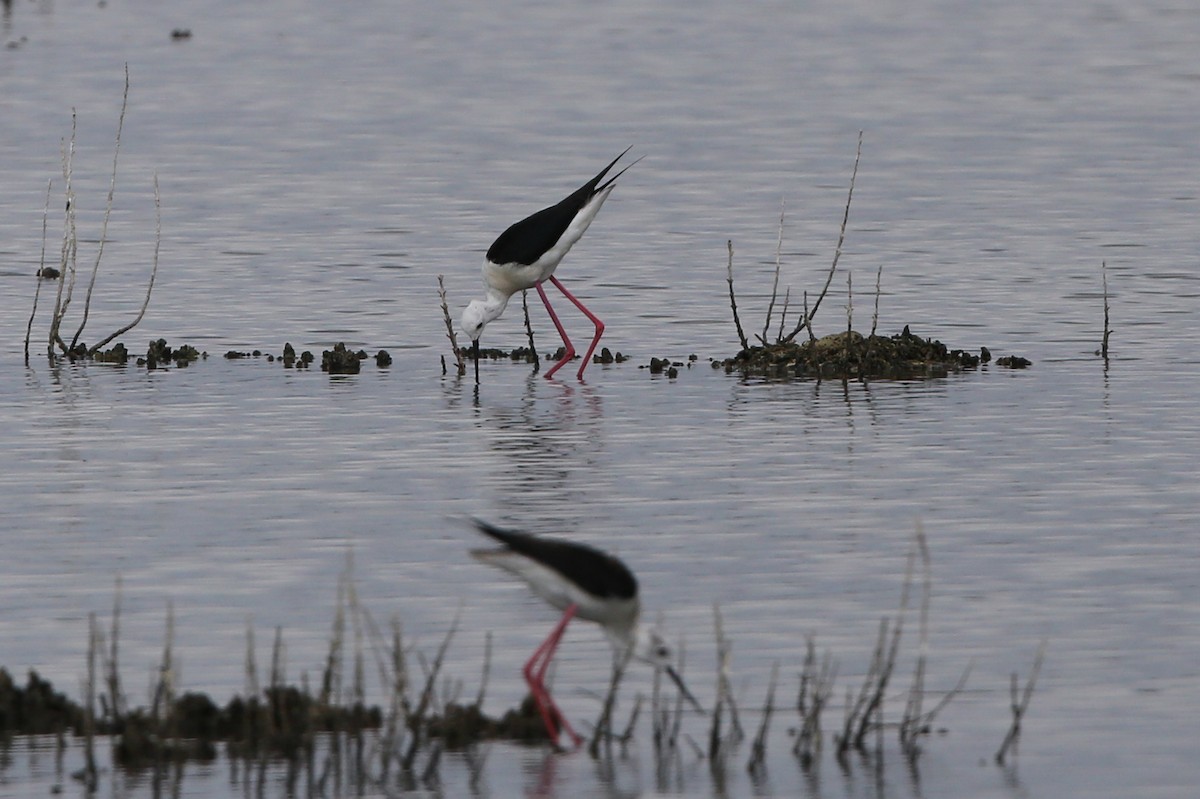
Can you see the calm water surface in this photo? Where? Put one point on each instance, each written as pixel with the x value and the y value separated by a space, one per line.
pixel 320 165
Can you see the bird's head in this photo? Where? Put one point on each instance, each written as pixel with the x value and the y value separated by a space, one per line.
pixel 474 318
pixel 650 647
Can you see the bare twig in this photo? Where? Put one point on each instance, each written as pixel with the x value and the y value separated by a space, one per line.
pixel 41 270
pixel 875 316
pixel 417 717
pixel 1019 704
pixel 66 280
pixel 816 686
pixel 112 671
pixel 603 730
pixel 732 301
pixel 89 714
pixel 458 353
pixel 775 285
pixel 149 286
pixel 1104 282
pixel 910 723
pixel 849 312
pixel 758 751
pixel 837 253
pixel 717 741
pixel 787 296
pixel 112 185
pixel 537 364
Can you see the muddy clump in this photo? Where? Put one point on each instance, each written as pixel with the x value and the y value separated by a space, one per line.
pixel 849 354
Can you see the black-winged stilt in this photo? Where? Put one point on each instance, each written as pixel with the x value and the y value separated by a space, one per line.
pixel 526 255
pixel 582 582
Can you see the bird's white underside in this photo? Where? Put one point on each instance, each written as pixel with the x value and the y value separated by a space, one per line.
pixel 619 617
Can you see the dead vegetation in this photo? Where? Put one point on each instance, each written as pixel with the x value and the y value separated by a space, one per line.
pixel 65 276
pixel 330 738
pixel 784 350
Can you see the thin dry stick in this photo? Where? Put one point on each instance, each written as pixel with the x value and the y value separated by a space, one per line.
pixel 1020 706
pixel 758 751
pixel 113 675
pixel 41 268
pixel 149 286
pixel 89 716
pixel 816 686
pixel 487 667
pixel 112 185
pixel 775 285
pixel 1104 281
pixel 849 311
pixel 733 302
pixel 837 253
pixel 251 664
pixel 910 723
pixel 787 296
pixel 458 356
pixel 603 729
pixel 529 332
pixel 66 278
pixel 417 718
pixel 164 691
pixel 875 316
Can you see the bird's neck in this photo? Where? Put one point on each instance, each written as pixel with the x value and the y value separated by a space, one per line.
pixel 493 305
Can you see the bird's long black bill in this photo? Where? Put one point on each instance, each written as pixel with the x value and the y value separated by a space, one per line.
pixel 475 355
pixel 683 689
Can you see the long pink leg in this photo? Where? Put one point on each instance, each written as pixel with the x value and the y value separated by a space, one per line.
pixel 535 676
pixel 570 348
pixel 595 321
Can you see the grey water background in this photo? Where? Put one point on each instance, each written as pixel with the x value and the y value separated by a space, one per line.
pixel 321 163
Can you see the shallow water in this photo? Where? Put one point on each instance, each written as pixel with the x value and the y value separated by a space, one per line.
pixel 320 166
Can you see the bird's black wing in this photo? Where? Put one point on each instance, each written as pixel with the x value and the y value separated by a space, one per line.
pixel 524 242
pixel 594 571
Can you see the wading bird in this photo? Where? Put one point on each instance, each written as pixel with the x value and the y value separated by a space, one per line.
pixel 526 255
pixel 582 582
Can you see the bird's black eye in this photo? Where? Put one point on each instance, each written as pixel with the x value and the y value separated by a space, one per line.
pixel 662 652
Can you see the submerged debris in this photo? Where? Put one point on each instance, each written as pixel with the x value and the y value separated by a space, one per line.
pixel 160 353
pixel 340 361
pixel 851 355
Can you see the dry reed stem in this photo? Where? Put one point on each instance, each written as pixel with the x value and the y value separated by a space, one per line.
pixel 875 315
pixel 816 686
pixel 1104 283
pixel 849 311
pixel 89 772
pixel 758 751
pixel 1020 705
pixel 537 363
pixel 461 365
pixel 149 286
pixel 865 712
pixel 111 667
pixel 775 285
pixel 487 668
pixel 69 248
pixel 37 292
pixel 837 253
pixel 732 301
pixel 910 727
pixel 112 185
pixel 718 742
pixel 603 728
pixel 417 717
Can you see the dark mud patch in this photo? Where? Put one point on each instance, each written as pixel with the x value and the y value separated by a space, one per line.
pixel 283 721
pixel 850 355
